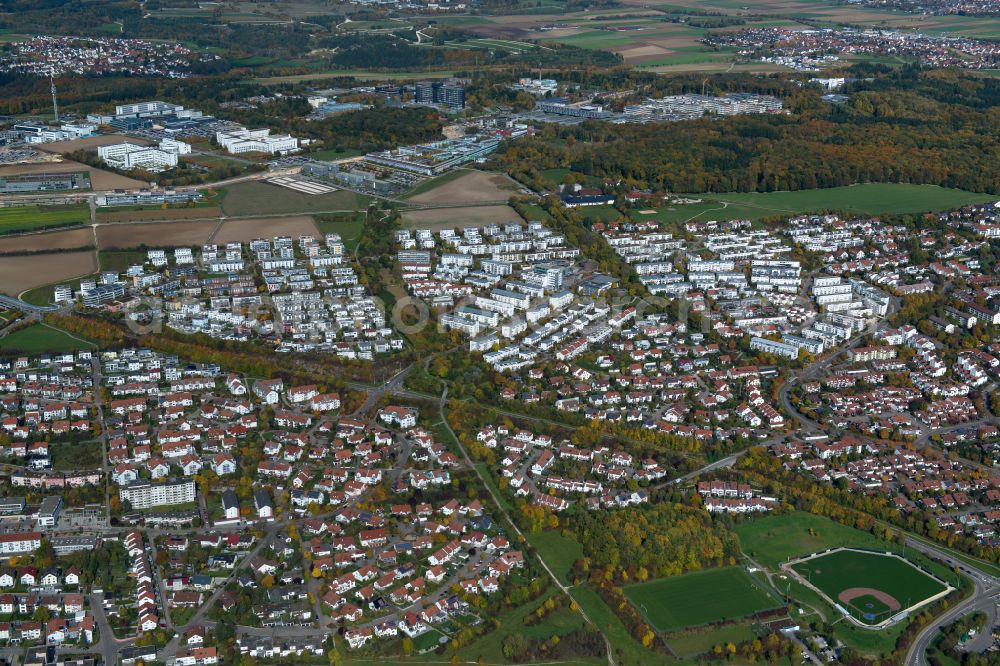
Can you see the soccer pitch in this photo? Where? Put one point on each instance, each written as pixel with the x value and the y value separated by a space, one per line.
pixel 699 598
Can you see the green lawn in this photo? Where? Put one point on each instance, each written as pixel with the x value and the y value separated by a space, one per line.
pixel 558 551
pixel 628 651
pixel 841 570
pixel 29 218
pixel 120 260
pixel 254 198
pixel 872 198
pixel 348 225
pixel 699 598
pixel 771 540
pixel 699 641
pixel 38 339
pixel 81 455
pixel 554 177
pixel 490 646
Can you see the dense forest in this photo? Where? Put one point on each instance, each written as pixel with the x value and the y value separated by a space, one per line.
pixel 913 127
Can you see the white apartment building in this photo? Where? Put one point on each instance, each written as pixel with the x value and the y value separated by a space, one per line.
pixel 256 141
pixel 146 495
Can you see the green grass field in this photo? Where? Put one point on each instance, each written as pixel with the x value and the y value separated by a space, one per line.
pixel 699 641
pixel 628 651
pixel 869 199
pixel 80 455
pixel 844 569
pixel 771 540
pixel 699 598
pixel 120 260
pixel 29 218
pixel 253 198
pixel 39 339
pixel 872 198
pixel 558 551
pixel 348 225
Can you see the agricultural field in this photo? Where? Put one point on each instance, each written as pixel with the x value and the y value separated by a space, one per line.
pixel 150 213
pixel 89 143
pixel 155 234
pixel 872 586
pixel 464 186
pixel 831 12
pixel 100 180
pixel 255 198
pixel 700 598
pixel 246 229
pixel 40 338
pixel 30 218
pixel 456 218
pixel 70 239
pixel 21 273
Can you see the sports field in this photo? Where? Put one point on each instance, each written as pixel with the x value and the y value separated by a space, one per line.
pixel 699 598
pixel 872 586
pixel 39 338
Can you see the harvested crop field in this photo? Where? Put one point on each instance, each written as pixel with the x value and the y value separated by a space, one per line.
pixel 467 187
pixel 265 227
pixel 155 234
pixel 90 143
pixel 153 214
pixel 99 179
pixel 257 198
pixel 55 240
pixel 457 218
pixel 21 273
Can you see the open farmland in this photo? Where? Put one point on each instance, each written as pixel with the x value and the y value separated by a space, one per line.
pixel 465 186
pixel 456 218
pixel 29 218
pixel 90 143
pixel 699 598
pixel 145 214
pixel 265 227
pixel 20 273
pixel 53 240
pixel 256 198
pixel 156 234
pixel 99 179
